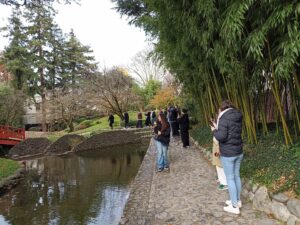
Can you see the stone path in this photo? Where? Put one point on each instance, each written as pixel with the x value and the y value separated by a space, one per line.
pixel 187 195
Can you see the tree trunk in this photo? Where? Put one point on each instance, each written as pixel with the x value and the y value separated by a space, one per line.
pixel 71 126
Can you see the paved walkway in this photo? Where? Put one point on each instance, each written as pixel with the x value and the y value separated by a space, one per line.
pixel 186 195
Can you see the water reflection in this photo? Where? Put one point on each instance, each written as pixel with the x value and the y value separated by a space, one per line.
pixel 90 188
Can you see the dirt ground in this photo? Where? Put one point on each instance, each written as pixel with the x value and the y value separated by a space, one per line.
pixel 64 144
pixel 31 146
pixel 108 139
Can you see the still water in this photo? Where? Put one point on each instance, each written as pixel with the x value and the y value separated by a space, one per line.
pixel 91 188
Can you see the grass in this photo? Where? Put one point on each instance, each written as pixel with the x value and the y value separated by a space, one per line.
pixel 8 167
pixel 95 126
pixel 269 162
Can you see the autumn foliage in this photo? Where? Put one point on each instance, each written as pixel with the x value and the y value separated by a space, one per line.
pixel 163 98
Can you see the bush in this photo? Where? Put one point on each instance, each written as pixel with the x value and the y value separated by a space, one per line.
pixel 270 162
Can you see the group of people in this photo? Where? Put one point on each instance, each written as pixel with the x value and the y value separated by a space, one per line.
pixel 168 124
pixel 227 146
pixel 227 143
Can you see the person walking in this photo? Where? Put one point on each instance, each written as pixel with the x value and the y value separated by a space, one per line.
pixel 111 120
pixel 139 120
pixel 162 140
pixel 228 131
pixel 172 114
pixel 126 119
pixel 153 117
pixel 184 124
pixel 148 119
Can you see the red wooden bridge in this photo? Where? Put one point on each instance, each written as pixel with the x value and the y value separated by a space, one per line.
pixel 10 135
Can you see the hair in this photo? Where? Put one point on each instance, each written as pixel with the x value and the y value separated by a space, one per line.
pixel 184 110
pixel 226 104
pixel 164 122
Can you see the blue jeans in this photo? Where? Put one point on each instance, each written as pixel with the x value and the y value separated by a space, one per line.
pixel 162 155
pixel 232 167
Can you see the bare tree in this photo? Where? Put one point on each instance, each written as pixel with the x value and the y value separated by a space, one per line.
pixel 113 91
pixel 145 66
pixel 70 103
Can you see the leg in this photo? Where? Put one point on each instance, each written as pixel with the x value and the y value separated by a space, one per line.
pixel 160 158
pixel 165 155
pixel 185 138
pixel 237 176
pixel 221 175
pixel 228 165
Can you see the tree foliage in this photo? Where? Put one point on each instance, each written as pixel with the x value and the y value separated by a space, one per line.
pixel 247 51
pixel 113 90
pixel 41 58
pixel 11 106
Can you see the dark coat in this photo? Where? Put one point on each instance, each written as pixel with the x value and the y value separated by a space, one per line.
pixel 111 119
pixel 126 117
pixel 184 123
pixel 229 133
pixel 164 137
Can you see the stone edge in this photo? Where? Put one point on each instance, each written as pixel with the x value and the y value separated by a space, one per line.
pixel 280 206
pixel 136 208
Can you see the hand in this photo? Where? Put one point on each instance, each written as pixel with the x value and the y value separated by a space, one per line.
pixel 217 154
pixel 212 128
pixel 159 133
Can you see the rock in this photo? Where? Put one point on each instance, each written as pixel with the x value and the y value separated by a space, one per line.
pixel 65 144
pixel 261 200
pixel 29 147
pixel 264 222
pixel 248 186
pixel 293 220
pixel 251 196
pixel 245 193
pixel 123 221
pixel 294 206
pixel 280 211
pixel 107 139
pixel 281 198
pixel 254 188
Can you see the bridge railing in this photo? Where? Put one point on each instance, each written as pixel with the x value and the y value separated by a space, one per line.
pixel 11 133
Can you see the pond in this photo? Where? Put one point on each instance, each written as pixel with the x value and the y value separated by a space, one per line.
pixel 90 188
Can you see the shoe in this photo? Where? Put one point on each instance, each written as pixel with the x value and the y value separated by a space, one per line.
pixel 239 203
pixel 159 169
pixel 222 187
pixel 231 209
pixel 166 169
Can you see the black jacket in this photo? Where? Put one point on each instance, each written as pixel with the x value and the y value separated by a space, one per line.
pixel 111 119
pixel 229 133
pixel 164 137
pixel 126 117
pixel 184 123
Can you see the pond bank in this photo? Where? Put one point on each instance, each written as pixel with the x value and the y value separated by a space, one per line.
pixel 188 194
pixel 11 173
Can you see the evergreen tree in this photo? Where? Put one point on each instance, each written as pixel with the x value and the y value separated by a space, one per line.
pixel 16 55
pixel 41 40
pixel 79 61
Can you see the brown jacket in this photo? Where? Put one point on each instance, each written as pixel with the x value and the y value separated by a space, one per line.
pixel 216 161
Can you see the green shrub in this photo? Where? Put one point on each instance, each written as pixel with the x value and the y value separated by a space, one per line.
pixel 269 162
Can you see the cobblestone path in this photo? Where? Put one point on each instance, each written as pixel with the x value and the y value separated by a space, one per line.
pixel 186 195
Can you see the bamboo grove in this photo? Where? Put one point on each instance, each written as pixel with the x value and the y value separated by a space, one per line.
pixel 244 50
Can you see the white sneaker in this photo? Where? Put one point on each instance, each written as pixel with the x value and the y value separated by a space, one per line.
pixel 239 203
pixel 231 209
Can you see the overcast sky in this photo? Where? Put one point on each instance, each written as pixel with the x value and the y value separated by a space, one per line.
pixel 95 23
